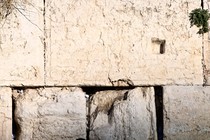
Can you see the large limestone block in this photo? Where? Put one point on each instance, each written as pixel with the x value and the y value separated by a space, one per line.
pixel 123 115
pixel 21 43
pixel 186 113
pixel 101 42
pixel 51 113
pixel 5 113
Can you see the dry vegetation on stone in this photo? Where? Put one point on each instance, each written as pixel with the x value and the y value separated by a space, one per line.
pixel 5 8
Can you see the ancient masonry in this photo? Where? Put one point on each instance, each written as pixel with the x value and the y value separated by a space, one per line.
pixel 103 70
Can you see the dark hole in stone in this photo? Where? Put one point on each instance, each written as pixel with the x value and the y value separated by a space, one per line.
pixel 159 111
pixel 125 95
pixel 15 126
pixel 202 5
pixel 161 43
pixel 162 47
pixel 90 90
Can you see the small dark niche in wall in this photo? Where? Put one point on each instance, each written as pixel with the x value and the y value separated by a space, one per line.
pixel 159 111
pixel 15 125
pixel 90 90
pixel 158 43
pixel 162 47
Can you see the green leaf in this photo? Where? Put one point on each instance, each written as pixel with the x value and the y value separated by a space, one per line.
pixel 199 17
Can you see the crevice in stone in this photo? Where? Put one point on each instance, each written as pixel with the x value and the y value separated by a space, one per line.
pixel 203 63
pixel 203 55
pixel 90 90
pixel 15 125
pixel 19 89
pixel 125 95
pixel 159 111
pixel 202 5
pixel 88 103
pixel 44 41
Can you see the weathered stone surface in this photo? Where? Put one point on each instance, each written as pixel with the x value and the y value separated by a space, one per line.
pixel 99 42
pixel 206 65
pixel 21 43
pixel 123 115
pixel 206 50
pixel 187 112
pixel 5 114
pixel 51 113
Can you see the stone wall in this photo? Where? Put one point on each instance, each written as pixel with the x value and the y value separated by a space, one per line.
pixel 103 70
pixel 124 114
pixel 176 112
pixel 186 112
pixel 50 113
pixel 5 114
pixel 21 45
pixel 95 42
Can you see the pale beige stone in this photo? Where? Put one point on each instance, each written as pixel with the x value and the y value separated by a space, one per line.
pixel 21 44
pixel 206 62
pixel 186 112
pixel 207 50
pixel 51 113
pixel 99 42
pixel 5 113
pixel 123 115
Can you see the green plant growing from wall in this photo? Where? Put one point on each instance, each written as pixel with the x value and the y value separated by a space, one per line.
pixel 199 17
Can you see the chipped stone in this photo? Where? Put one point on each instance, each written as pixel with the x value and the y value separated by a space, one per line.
pixel 51 113
pixel 123 114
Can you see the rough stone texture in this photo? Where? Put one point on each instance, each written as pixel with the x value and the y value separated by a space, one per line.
pixel 21 43
pixel 5 114
pixel 187 112
pixel 51 113
pixel 99 42
pixel 206 66
pixel 123 115
pixel 207 49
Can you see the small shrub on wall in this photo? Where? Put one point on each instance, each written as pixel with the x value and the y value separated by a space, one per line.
pixel 199 17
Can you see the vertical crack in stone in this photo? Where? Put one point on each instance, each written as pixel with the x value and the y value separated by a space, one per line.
pixel 203 62
pixel 203 55
pixel 44 40
pixel 159 111
pixel 88 118
pixel 89 92
pixel 202 6
pixel 15 125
